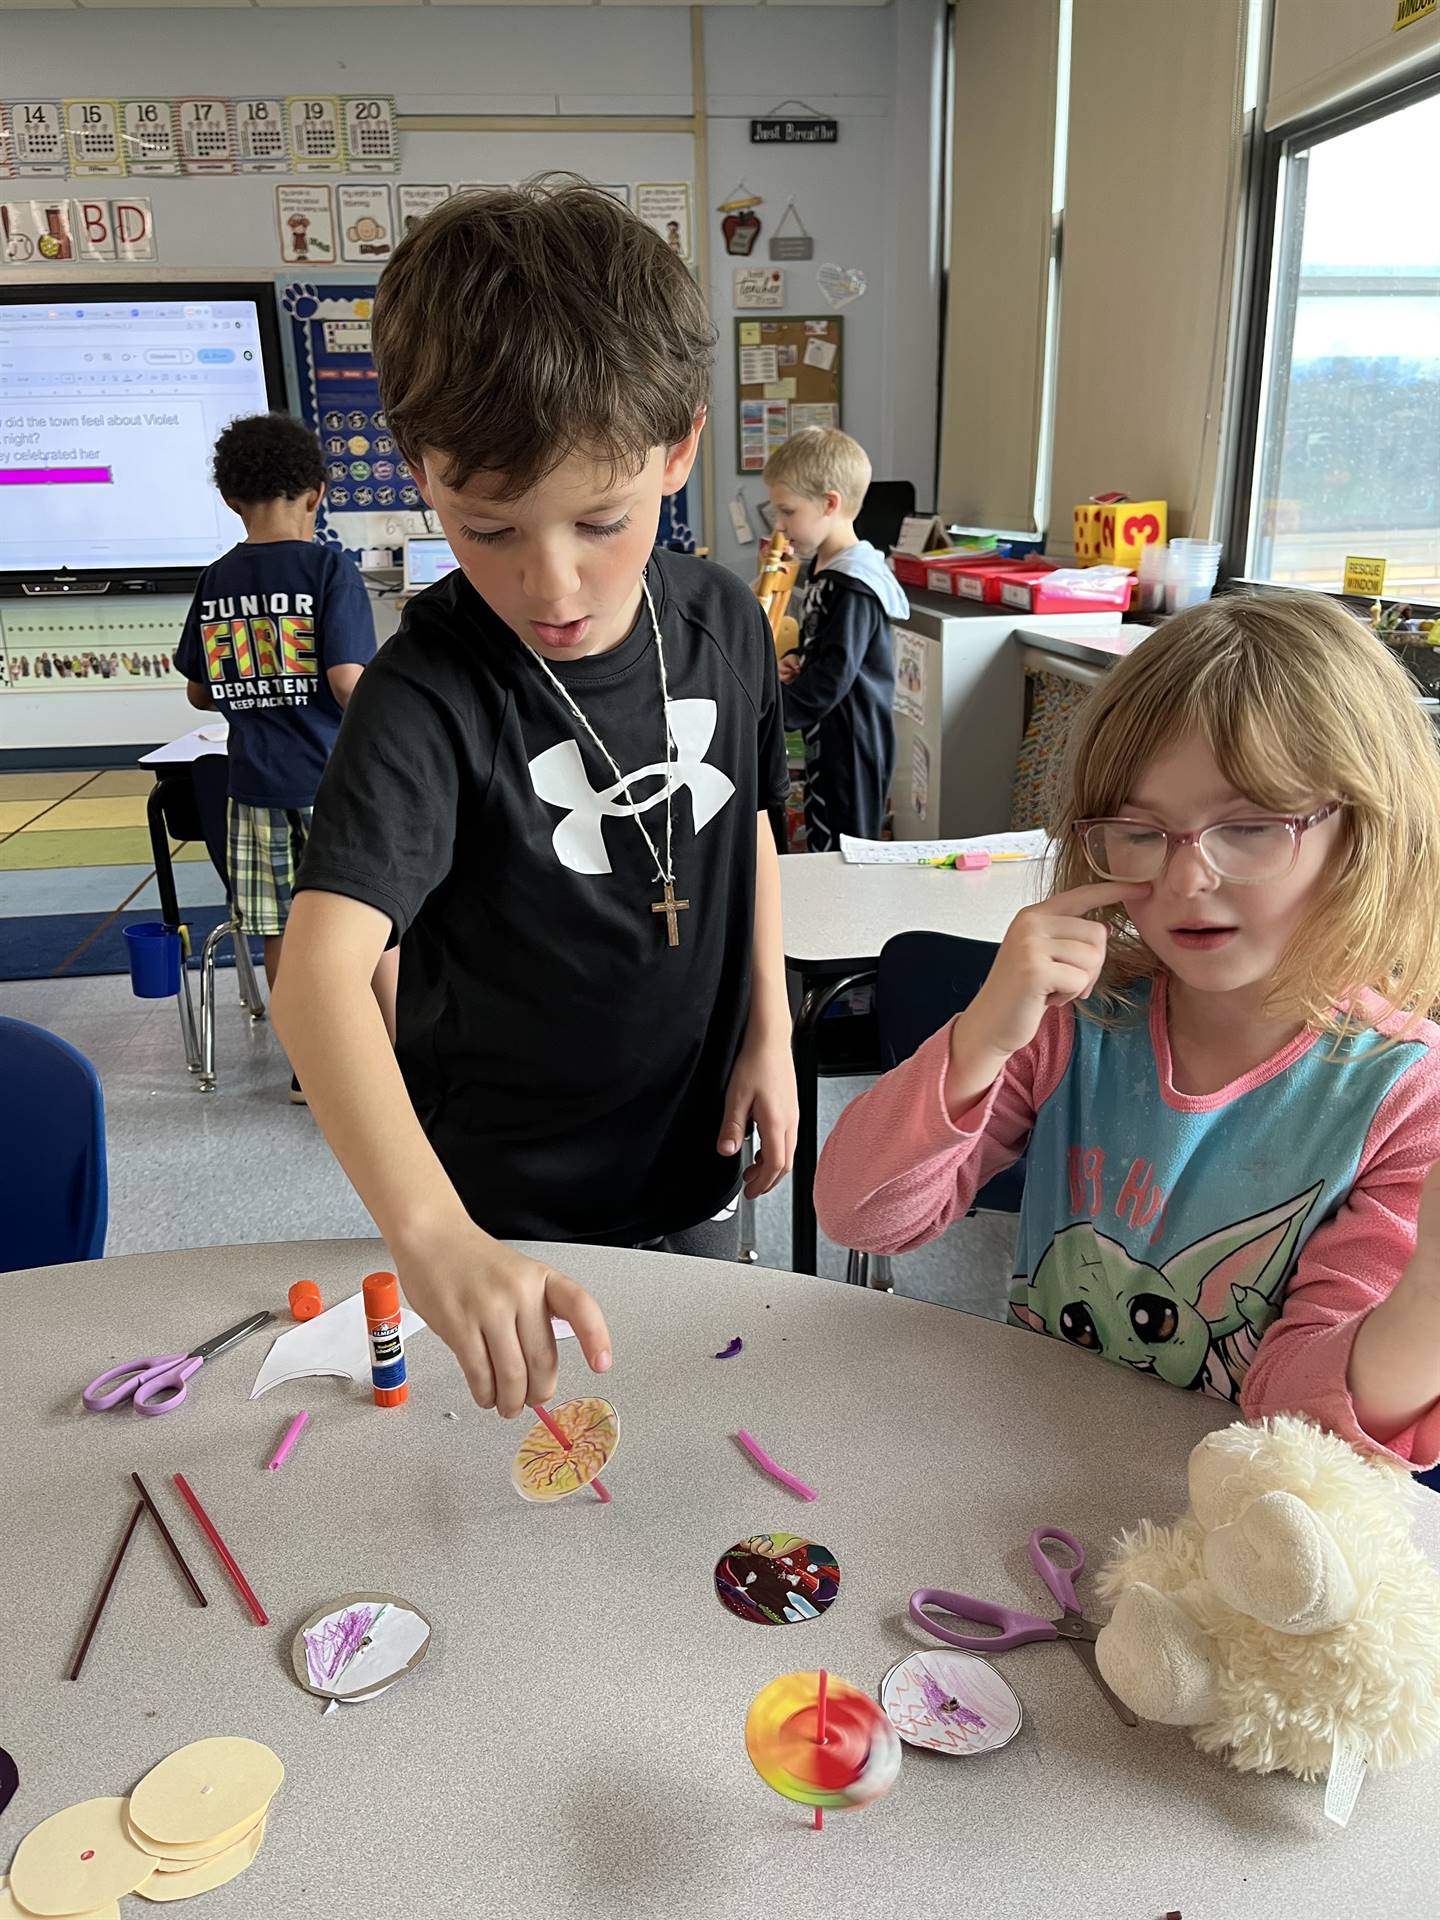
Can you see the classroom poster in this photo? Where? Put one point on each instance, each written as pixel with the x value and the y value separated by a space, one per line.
pixel 261 139
pixel 92 134
pixel 37 137
pixel 207 135
pixel 148 128
pixel 114 229
pixel 316 141
pixel 416 202
pixel 752 436
pixel 305 219
pixel 617 191
pixel 665 206
pixel 371 145
pixel 35 230
pixel 817 413
pixel 910 675
pixel 919 779
pixel 367 223
pixel 326 328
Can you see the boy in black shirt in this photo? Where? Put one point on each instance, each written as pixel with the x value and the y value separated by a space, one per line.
pixel 840 681
pixel 276 637
pixel 552 789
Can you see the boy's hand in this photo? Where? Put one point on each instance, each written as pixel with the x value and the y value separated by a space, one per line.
pixel 1051 955
pixel 762 1090
pixel 492 1306
pixel 790 667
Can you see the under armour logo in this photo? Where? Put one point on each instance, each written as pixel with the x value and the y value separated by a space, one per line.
pixel 558 776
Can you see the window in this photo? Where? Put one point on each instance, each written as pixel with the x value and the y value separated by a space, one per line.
pixel 1346 456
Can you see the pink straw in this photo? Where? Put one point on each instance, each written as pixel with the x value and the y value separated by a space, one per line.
pixel 762 1459
pixel 560 1434
pixel 820 1734
pixel 292 1434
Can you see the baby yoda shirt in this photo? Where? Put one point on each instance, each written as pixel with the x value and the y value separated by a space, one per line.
pixel 1228 1242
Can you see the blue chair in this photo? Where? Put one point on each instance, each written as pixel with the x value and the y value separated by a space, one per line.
pixel 54 1192
pixel 923 980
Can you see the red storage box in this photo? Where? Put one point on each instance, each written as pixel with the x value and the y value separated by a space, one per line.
pixel 910 569
pixel 986 583
pixel 1028 592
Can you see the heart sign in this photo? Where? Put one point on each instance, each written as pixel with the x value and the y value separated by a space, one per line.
pixel 840 285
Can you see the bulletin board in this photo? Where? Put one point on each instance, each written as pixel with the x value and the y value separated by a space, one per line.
pixel 788 374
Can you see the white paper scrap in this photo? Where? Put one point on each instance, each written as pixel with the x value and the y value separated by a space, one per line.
pixel 1033 845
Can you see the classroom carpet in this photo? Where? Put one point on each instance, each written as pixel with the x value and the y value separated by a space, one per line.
pixel 76 869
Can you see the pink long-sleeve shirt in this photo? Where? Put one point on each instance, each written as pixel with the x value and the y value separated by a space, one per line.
pixel 1230 1242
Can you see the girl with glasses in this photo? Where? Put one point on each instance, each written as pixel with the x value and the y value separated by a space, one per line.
pixel 1210 1042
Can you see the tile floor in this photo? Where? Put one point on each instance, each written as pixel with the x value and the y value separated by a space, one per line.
pixel 195 1170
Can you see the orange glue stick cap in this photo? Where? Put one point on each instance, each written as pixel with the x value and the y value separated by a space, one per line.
pixel 305 1300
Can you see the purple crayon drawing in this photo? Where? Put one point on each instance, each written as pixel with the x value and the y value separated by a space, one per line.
pixel 330 1647
pixel 944 1706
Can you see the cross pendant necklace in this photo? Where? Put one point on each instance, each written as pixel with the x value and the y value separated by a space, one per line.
pixel 670 906
pixel 664 869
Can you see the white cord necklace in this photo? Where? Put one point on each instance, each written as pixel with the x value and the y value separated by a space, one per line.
pixel 664 870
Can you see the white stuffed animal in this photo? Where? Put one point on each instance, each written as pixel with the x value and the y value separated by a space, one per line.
pixel 1288 1607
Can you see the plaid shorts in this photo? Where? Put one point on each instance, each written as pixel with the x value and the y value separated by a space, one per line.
pixel 265 848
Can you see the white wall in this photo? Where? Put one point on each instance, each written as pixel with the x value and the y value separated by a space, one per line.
pixel 869 201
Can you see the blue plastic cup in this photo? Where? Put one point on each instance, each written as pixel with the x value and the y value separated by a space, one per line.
pixel 154 951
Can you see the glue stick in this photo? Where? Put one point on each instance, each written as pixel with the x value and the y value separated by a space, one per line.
pixel 387 1351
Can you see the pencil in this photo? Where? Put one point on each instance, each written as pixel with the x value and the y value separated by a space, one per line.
pixel 227 1559
pixel 169 1539
pixel 105 1592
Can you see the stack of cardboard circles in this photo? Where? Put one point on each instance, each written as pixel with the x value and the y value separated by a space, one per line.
pixel 195 1821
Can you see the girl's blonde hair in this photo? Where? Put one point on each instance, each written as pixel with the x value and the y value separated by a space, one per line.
pixel 1300 704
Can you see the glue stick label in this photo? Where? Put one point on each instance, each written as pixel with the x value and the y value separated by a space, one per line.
pixel 387 1354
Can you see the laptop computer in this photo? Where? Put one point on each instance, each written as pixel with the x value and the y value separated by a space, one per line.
pixel 428 558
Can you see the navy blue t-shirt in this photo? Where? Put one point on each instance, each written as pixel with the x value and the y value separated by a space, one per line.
pixel 267 622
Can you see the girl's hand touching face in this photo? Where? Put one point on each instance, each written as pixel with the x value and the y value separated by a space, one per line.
pixel 1051 955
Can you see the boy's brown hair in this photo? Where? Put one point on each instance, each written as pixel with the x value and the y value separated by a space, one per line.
pixel 514 328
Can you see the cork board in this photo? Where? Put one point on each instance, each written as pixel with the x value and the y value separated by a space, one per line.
pixel 788 373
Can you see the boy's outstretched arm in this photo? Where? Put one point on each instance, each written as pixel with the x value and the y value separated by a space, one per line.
pixel 762 1086
pixel 488 1303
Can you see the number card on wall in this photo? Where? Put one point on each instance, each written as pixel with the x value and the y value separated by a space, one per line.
pixel 37 137
pixel 370 141
pixel 315 135
pixel 207 136
pixel 262 144
pixel 148 129
pixel 92 130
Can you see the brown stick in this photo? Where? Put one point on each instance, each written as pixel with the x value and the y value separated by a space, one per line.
pixel 169 1540
pixel 105 1592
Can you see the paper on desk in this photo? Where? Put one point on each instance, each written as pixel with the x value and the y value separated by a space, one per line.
pixel 336 1343
pixel 189 747
pixel 1033 845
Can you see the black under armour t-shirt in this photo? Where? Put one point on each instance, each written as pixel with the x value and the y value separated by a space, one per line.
pixel 567 1064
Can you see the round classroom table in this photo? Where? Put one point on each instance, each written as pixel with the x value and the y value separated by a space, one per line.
pixel 574 1742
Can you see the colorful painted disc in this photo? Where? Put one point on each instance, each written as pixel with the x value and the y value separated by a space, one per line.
pixel 951 1703
pixel 858 1760
pixel 545 1470
pixel 777 1579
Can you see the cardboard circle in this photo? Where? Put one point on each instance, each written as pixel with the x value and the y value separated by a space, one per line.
pixel 951 1702
pixel 183 1883
pixel 10 1909
pixel 77 1861
pixel 200 1794
pixel 545 1470
pixel 777 1579
pixel 338 1654
pixel 857 1762
pixel 173 1857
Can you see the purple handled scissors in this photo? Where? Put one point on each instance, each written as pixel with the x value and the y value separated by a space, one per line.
pixel 1019 1629
pixel 158 1385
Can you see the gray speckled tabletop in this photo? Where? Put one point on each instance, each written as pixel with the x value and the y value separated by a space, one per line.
pixel 574 1742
